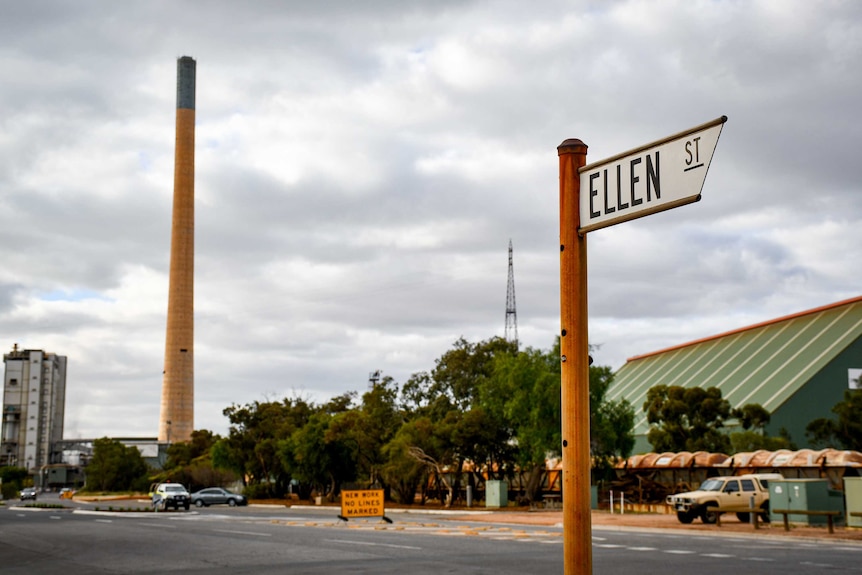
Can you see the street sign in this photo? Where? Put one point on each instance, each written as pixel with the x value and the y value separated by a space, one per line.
pixel 656 177
pixel 362 503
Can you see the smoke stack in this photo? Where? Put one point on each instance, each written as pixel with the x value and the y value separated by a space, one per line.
pixel 176 422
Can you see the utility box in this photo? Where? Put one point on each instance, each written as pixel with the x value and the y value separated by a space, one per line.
pixel 853 499
pixel 803 495
pixel 496 493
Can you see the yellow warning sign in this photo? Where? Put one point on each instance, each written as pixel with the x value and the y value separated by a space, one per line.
pixel 362 503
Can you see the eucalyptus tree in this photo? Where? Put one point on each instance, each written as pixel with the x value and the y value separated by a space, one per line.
pixel 251 448
pixel 116 467
pixel 687 418
pixel 845 430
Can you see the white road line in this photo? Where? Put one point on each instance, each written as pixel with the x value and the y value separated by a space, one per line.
pixel 762 559
pixel 678 551
pixel 104 520
pixel 609 546
pixel 718 555
pixel 371 544
pixel 641 548
pixel 243 532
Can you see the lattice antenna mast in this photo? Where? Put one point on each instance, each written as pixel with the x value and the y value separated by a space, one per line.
pixel 511 333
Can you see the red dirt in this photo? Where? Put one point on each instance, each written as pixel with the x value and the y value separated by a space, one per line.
pixel 730 525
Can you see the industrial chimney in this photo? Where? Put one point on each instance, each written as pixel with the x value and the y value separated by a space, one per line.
pixel 176 421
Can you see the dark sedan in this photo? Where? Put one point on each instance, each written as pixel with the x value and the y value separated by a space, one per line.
pixel 217 495
pixel 28 493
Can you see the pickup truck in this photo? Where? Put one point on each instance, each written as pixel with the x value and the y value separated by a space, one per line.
pixel 167 495
pixel 733 493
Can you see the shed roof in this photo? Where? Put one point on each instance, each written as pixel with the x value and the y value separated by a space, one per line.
pixel 765 363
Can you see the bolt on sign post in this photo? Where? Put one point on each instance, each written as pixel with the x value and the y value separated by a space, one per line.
pixel 362 503
pixel 653 178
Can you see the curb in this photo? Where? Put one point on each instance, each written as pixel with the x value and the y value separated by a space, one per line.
pixel 400 510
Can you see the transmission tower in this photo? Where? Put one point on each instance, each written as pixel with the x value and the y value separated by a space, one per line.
pixel 511 310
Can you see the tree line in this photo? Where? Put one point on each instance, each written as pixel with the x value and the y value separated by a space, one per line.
pixel 696 419
pixel 485 411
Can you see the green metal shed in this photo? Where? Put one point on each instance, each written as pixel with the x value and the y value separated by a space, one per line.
pixel 797 367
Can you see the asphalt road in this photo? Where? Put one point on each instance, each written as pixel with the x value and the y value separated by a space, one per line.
pixel 223 540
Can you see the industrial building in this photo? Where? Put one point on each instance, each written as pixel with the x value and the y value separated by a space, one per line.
pixel 34 403
pixel 797 367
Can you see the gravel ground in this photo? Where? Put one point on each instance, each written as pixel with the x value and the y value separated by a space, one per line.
pixel 651 521
pixel 661 521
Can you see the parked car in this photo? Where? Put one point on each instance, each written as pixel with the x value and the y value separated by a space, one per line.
pixel 167 495
pixel 28 493
pixel 738 493
pixel 217 495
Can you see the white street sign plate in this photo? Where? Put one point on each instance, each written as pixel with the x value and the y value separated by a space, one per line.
pixel 653 178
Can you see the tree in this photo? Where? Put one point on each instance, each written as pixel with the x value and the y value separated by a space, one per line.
pixel 523 395
pixel 611 422
pixel 370 427
pixel 459 372
pixel 450 398
pixel 252 446
pixel 318 458
pixel 846 430
pixel 687 419
pixel 192 463
pixel 115 467
pixel 400 470
pixel 750 440
pixel 12 480
pixel 754 418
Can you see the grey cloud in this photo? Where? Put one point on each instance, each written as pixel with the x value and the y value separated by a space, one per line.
pixel 361 167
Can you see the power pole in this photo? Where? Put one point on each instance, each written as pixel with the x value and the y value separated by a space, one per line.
pixel 511 333
pixel 374 379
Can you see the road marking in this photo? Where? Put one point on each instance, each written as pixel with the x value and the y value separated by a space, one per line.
pixel 641 548
pixel 678 551
pixel 243 532
pixel 104 520
pixel 370 544
pixel 55 517
pixel 718 555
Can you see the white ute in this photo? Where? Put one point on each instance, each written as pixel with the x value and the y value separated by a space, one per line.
pixel 735 493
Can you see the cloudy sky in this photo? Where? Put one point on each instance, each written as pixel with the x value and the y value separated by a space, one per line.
pixel 362 166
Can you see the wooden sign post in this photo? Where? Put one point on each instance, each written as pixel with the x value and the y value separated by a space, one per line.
pixel 574 355
pixel 659 176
